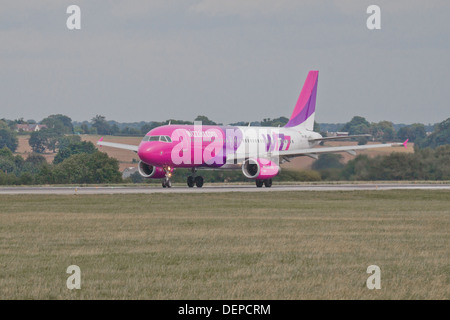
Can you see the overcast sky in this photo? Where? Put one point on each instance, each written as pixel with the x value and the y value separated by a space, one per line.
pixel 231 60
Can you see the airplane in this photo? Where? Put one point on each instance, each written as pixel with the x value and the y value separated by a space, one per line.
pixel 257 151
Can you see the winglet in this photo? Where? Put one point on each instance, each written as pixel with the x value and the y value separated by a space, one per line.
pixel 100 140
pixel 406 143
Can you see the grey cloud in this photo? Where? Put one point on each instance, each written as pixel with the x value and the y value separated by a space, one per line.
pixel 239 61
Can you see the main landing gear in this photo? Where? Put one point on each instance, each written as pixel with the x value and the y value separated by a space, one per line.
pixel 197 180
pixel 267 183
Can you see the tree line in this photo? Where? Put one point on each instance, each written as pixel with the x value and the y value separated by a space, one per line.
pixel 423 164
pixel 57 126
pixel 77 162
pixel 80 162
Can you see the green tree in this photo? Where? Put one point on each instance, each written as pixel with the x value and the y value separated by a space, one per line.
pixel 328 161
pixel 64 141
pixel 278 122
pixel 87 168
pixel 74 148
pixel 147 127
pixel 362 141
pixel 36 159
pixel 45 174
pixel 9 163
pixel 33 163
pixel 387 128
pixel 38 141
pixel 44 139
pixel 131 132
pixel 26 178
pixel 426 164
pixel 61 124
pixel 413 132
pixel 101 125
pixel 7 166
pixel 8 137
pixel 440 136
pixel 115 129
pixel 205 121
pixel 84 128
pixel 358 125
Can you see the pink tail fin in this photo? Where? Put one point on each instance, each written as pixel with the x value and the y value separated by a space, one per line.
pixel 306 104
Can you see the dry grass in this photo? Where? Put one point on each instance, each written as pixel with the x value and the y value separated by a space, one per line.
pixel 295 245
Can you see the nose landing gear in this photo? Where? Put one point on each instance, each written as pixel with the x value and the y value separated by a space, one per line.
pixel 166 183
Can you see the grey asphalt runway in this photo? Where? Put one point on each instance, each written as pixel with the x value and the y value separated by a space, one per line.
pixel 218 188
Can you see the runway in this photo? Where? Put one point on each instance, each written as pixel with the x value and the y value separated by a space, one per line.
pixel 217 188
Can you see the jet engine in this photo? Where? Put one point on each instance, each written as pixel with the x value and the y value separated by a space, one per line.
pixel 260 169
pixel 148 171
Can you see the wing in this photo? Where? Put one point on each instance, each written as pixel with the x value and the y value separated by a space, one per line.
pixel 349 149
pixel 314 152
pixel 341 137
pixel 118 145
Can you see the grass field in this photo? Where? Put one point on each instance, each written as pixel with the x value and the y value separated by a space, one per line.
pixel 294 245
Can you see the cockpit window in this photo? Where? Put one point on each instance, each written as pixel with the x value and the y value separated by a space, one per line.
pixel 151 138
pixel 157 138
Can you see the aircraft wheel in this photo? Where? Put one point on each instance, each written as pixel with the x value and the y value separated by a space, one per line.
pixel 268 183
pixel 199 181
pixel 166 183
pixel 190 181
pixel 259 183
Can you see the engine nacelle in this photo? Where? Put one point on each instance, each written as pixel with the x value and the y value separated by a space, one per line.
pixel 260 169
pixel 148 171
